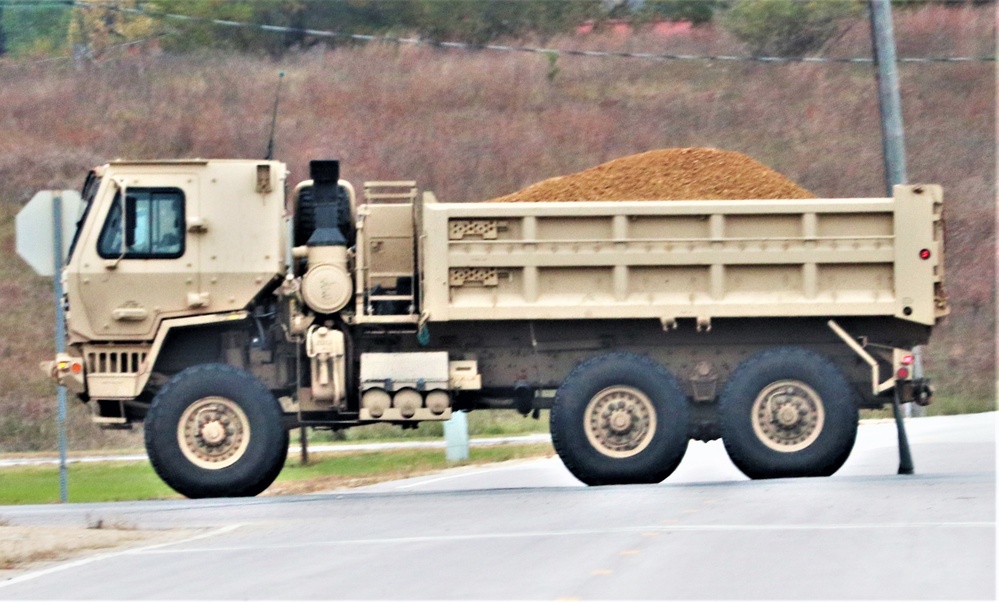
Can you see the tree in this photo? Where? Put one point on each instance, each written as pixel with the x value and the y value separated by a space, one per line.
pixel 33 28
pixel 484 21
pixel 94 29
pixel 787 27
pixel 3 38
pixel 347 16
pixel 695 11
pixel 477 22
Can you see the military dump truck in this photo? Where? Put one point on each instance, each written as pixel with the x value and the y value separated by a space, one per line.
pixel 222 307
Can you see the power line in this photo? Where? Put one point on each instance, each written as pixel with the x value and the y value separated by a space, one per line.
pixel 527 49
pixel 507 48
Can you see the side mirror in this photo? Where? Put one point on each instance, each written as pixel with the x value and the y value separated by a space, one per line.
pixel 130 222
pixel 113 263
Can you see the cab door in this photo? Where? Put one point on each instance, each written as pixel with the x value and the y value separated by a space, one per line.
pixel 140 263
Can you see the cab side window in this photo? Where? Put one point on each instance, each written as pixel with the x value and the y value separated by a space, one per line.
pixel 153 225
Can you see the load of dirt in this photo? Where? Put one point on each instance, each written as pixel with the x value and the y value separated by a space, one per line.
pixel 674 174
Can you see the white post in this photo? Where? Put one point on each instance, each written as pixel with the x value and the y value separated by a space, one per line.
pixel 456 437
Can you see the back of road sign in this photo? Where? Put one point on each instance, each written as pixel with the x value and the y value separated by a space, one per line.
pixel 35 235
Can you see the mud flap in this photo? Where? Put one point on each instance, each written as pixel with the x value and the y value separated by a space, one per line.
pixel 904 455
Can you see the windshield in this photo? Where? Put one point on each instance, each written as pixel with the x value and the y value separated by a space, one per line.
pixel 90 186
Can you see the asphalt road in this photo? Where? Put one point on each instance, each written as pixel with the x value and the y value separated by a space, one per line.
pixel 528 530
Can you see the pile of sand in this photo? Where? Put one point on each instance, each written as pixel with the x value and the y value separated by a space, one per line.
pixel 675 174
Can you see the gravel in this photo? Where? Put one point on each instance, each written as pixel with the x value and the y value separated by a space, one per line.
pixel 669 174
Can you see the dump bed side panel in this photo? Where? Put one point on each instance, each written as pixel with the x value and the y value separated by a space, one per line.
pixel 682 259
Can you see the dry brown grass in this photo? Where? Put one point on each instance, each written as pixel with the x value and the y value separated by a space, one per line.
pixel 23 546
pixel 478 125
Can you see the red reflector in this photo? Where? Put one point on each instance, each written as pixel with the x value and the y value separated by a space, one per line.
pixel 925 254
pixel 907 360
pixel 903 373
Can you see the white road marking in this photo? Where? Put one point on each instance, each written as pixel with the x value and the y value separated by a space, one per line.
pixel 641 529
pixel 90 559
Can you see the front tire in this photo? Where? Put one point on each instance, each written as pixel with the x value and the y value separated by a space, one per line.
pixel 620 418
pixel 215 431
pixel 788 412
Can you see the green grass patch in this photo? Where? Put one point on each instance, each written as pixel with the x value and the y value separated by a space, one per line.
pixel 98 482
pixel 484 423
pixel 127 481
pixel 395 462
pixel 943 405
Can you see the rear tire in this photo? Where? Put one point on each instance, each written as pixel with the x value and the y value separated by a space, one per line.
pixel 620 418
pixel 215 431
pixel 788 412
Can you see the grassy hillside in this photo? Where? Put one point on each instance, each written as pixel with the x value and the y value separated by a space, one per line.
pixel 477 125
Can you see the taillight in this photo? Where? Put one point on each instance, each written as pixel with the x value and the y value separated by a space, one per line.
pixel 903 373
pixel 925 254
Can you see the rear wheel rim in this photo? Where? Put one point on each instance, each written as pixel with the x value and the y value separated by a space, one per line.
pixel 788 416
pixel 620 421
pixel 213 433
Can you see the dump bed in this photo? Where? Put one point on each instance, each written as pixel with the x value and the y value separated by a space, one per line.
pixel 685 259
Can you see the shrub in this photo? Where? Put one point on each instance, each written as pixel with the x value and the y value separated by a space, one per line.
pixel 786 27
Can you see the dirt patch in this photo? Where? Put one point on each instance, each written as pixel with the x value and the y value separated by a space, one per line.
pixel 332 483
pixel 23 547
pixel 674 174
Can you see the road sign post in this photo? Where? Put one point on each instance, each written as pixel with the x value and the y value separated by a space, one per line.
pixel 60 340
pixel 45 228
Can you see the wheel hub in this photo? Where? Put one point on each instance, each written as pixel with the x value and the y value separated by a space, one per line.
pixel 213 433
pixel 620 421
pixel 788 415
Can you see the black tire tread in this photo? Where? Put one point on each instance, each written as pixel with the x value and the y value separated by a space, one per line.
pixel 841 415
pixel 172 474
pixel 565 445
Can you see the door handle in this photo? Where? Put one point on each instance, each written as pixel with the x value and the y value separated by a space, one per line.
pixel 198 300
pixel 129 314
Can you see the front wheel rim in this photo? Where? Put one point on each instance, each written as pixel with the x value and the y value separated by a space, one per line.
pixel 620 421
pixel 788 416
pixel 213 433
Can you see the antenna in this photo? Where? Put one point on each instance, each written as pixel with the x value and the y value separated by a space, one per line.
pixel 270 141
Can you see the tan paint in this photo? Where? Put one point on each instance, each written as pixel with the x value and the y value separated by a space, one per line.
pixel 234 246
pixel 696 259
pixel 490 262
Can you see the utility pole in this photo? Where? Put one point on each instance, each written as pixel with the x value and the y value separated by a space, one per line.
pixel 889 99
pixel 893 144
